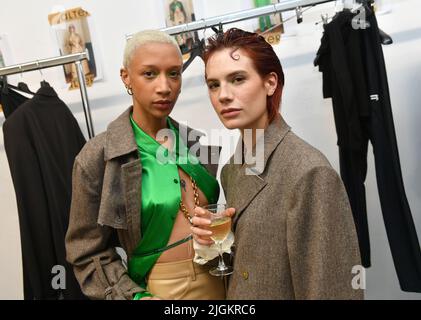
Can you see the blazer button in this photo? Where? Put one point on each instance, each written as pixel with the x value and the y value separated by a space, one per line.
pixel 245 275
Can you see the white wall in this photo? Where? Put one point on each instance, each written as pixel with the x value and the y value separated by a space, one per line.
pixel 303 106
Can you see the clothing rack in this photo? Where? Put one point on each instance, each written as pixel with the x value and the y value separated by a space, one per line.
pixel 239 16
pixel 54 62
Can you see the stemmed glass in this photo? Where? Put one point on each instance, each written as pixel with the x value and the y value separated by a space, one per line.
pixel 220 227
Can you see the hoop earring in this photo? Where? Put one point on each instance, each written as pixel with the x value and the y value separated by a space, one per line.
pixel 129 91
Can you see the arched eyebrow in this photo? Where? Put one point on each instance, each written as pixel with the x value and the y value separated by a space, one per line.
pixel 177 66
pixel 230 75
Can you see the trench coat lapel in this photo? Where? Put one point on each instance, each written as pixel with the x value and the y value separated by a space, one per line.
pixel 132 186
pixel 120 142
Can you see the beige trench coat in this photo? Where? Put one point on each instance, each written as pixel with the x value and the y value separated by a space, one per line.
pixel 106 207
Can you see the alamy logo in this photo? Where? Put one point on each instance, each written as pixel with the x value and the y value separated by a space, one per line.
pixel 359 21
pixel 358 281
pixel 253 155
pixel 59 280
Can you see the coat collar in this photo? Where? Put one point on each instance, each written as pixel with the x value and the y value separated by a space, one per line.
pixel 120 139
pixel 47 91
pixel 272 137
pixel 246 185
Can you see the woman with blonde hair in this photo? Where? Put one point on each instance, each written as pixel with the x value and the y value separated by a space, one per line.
pixel 135 186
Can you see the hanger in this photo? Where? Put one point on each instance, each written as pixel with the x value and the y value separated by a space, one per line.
pixel 22 86
pixel 196 51
pixel 43 83
pixel 325 19
pixel 299 14
pixel 199 47
pixel 385 38
pixel 220 29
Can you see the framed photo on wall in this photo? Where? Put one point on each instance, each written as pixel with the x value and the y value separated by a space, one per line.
pixel 5 55
pixel 5 58
pixel 73 33
pixel 180 12
pixel 271 26
pixel 2 64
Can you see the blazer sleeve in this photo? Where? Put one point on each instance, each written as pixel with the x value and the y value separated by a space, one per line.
pixel 321 238
pixel 97 265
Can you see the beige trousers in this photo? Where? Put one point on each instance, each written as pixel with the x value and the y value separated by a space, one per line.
pixel 184 280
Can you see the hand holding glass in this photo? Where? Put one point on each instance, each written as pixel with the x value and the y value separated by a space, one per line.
pixel 220 227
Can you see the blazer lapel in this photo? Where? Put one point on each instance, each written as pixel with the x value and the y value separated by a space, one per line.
pixel 243 189
pixel 244 181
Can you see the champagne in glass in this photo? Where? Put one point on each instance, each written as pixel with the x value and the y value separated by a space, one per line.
pixel 220 227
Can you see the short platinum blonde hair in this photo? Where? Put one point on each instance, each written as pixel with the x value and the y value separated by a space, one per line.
pixel 144 37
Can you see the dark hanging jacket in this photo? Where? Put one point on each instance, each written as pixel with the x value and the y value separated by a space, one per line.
pixel 42 139
pixel 354 76
pixel 10 100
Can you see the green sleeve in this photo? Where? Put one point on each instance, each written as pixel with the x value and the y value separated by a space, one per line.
pixel 141 295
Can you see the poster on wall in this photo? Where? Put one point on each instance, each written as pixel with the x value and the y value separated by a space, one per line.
pixel 73 33
pixel 2 64
pixel 180 12
pixel 5 56
pixel 270 26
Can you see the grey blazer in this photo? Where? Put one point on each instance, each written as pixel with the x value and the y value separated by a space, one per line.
pixel 105 208
pixel 294 232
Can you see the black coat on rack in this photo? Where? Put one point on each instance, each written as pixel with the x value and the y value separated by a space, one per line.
pixel 42 139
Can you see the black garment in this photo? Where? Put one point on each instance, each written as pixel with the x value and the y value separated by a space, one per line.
pixel 42 139
pixel 10 100
pixel 354 76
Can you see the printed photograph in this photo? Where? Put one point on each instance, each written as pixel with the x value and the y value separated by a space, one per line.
pixel 180 12
pixel 5 57
pixel 71 29
pixel 270 26
pixel 2 64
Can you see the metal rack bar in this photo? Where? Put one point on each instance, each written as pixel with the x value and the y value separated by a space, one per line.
pixel 43 63
pixel 54 62
pixel 84 96
pixel 239 16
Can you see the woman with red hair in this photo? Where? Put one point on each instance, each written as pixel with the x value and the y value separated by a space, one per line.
pixel 294 233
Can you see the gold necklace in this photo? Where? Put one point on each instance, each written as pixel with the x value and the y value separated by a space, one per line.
pixel 196 201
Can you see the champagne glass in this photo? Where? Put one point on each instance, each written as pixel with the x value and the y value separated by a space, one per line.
pixel 220 227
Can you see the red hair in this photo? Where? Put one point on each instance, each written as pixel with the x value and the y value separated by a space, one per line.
pixel 259 51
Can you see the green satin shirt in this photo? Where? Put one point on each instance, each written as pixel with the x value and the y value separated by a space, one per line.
pixel 161 195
